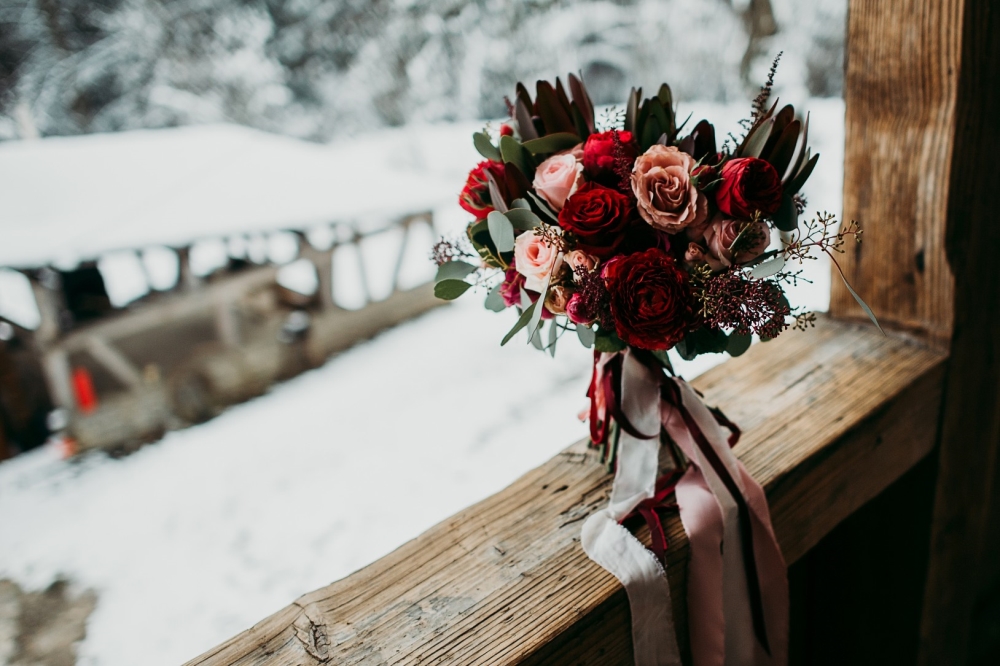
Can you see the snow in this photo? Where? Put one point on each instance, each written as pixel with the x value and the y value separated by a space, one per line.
pixel 197 537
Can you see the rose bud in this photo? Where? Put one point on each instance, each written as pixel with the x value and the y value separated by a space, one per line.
pixel 557 178
pixel 599 155
pixel 695 254
pixel 578 259
pixel 723 231
pixel 506 130
pixel 598 216
pixel 749 185
pixel 650 299
pixel 475 196
pixel 666 196
pixel 577 312
pixel 556 299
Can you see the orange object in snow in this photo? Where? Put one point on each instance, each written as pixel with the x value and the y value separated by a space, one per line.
pixel 83 385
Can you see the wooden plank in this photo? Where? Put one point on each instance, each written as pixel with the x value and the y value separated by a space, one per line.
pixel 900 88
pixel 830 418
pixel 114 362
pixel 964 569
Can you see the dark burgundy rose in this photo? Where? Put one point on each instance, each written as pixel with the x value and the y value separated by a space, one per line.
pixel 650 299
pixel 475 196
pixel 511 288
pixel 599 155
pixel 598 216
pixel 749 185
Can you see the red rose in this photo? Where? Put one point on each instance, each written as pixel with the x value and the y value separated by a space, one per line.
pixel 598 216
pixel 599 155
pixel 475 196
pixel 748 185
pixel 650 299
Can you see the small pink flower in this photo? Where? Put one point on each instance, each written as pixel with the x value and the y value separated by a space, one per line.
pixel 580 259
pixel 557 178
pixel 534 259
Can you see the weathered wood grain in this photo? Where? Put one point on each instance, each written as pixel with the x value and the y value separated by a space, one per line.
pixel 900 90
pixel 830 418
pixel 964 567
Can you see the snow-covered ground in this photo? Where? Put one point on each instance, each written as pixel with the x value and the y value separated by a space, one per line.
pixel 198 536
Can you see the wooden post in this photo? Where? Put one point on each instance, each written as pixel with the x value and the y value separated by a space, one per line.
pixel 965 558
pixel 923 101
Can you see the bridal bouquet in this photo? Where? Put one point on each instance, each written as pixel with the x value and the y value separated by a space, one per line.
pixel 641 236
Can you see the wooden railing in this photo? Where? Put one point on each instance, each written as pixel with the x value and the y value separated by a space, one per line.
pixel 831 418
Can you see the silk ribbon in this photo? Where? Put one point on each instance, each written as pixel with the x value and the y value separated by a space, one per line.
pixel 737 580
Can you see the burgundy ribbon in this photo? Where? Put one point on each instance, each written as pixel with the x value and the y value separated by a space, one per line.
pixel 609 383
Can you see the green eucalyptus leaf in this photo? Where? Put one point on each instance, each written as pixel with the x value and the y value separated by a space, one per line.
pixel 522 219
pixel 482 142
pixel 737 344
pixel 586 335
pixel 501 231
pixel 553 337
pixel 449 290
pixel 768 268
pixel 454 270
pixel 522 321
pixel 536 338
pixel 520 203
pixel 514 153
pixel 861 302
pixel 552 143
pixel 494 300
pixel 608 341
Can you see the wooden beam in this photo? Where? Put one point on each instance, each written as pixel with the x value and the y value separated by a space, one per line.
pixel 830 419
pixel 900 90
pixel 114 362
pixel 965 542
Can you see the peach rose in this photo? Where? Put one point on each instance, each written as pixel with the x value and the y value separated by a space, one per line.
pixel 557 178
pixel 533 259
pixel 667 199
pixel 556 299
pixel 723 231
pixel 577 259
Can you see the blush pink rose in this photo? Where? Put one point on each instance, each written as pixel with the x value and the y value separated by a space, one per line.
pixel 533 259
pixel 721 233
pixel 665 195
pixel 557 178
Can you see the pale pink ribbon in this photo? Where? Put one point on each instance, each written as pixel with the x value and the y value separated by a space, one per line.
pixel 719 616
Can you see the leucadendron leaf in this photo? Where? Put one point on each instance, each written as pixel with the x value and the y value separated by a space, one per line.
pixel 453 270
pixel 501 231
pixel 449 290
